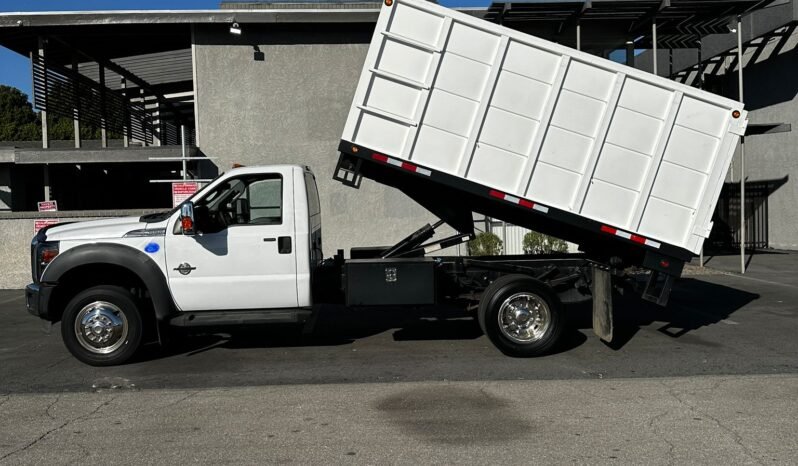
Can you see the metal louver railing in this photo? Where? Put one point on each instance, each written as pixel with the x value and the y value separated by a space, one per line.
pixel 64 92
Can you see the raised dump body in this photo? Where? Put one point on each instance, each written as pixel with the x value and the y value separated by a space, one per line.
pixel 554 130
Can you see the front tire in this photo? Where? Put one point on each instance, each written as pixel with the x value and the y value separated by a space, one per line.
pixel 102 326
pixel 521 316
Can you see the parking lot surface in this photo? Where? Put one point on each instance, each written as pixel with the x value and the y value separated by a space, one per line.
pixel 716 324
pixel 711 379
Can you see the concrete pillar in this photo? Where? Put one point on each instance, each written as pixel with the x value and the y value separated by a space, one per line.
pixel 146 120
pixel 125 113
pixel 43 113
pixel 630 53
pixel 654 43
pixel 76 101
pixel 103 121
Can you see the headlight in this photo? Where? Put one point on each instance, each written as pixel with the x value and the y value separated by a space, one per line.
pixel 44 254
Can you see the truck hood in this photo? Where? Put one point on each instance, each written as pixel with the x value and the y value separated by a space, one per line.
pixel 99 229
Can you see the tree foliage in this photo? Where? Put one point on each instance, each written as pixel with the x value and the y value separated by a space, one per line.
pixel 538 243
pixel 18 121
pixel 485 244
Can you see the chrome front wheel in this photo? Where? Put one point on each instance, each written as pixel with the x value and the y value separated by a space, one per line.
pixel 101 327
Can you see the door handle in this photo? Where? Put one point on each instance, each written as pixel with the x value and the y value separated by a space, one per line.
pixel 269 239
pixel 284 245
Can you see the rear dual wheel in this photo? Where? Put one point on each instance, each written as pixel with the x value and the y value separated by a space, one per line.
pixel 521 316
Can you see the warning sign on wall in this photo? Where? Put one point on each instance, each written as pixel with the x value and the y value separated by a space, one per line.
pixel 48 206
pixel 40 223
pixel 182 191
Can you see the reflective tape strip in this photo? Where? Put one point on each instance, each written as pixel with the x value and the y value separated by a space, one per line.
pixel 432 248
pixel 518 201
pixel 401 164
pixel 630 236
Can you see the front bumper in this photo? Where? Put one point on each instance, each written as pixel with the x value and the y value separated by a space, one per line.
pixel 37 298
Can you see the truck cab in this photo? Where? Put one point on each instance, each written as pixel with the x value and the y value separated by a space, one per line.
pixel 248 242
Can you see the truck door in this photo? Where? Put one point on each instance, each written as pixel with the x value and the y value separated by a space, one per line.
pixel 246 257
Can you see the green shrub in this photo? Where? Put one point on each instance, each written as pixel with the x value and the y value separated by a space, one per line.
pixel 485 244
pixel 538 243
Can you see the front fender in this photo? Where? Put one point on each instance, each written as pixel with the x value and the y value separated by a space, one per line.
pixel 115 254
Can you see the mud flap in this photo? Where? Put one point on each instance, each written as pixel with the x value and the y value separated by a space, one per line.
pixel 602 303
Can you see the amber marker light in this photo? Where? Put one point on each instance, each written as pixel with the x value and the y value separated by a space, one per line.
pixel 388 2
pixel 736 114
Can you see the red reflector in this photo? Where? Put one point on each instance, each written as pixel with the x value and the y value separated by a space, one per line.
pixel 527 204
pixel 664 264
pixel 380 157
pixel 607 229
pixel 638 239
pixel 408 166
pixel 498 194
pixel 48 255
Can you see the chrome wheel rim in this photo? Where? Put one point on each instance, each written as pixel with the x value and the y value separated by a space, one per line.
pixel 101 327
pixel 524 318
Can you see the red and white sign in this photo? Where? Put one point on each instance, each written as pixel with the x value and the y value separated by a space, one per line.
pixel 182 191
pixel 40 223
pixel 48 206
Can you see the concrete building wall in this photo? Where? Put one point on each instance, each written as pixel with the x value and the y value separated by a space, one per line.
pixel 771 95
pixel 17 231
pixel 291 108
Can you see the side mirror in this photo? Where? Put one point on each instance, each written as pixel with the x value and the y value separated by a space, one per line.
pixel 187 222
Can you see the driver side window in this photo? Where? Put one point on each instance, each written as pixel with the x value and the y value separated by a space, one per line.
pixel 265 201
pixel 246 200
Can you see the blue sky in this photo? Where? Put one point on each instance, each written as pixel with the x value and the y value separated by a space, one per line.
pixel 15 69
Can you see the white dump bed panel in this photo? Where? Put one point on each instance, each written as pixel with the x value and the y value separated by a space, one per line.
pixel 544 122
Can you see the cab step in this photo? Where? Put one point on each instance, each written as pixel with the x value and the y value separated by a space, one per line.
pixel 247 317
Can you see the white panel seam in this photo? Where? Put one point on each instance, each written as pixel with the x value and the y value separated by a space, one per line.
pixel 411 42
pixel 664 160
pixel 427 125
pixel 545 123
pixel 608 143
pixel 578 201
pixel 500 148
pixel 552 125
pixel 585 95
pixel 656 161
pixel 513 113
pixel 670 201
pixel 696 131
pixel 409 149
pixel 641 113
pixel 521 75
pixel 482 109
pixel 600 180
pixel 543 162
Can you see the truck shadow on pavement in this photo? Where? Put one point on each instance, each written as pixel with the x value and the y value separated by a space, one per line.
pixel 336 326
pixel 694 304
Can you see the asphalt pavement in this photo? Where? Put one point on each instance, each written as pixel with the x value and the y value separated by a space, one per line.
pixel 712 378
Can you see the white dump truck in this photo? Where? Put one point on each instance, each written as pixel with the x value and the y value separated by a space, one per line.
pixel 463 116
